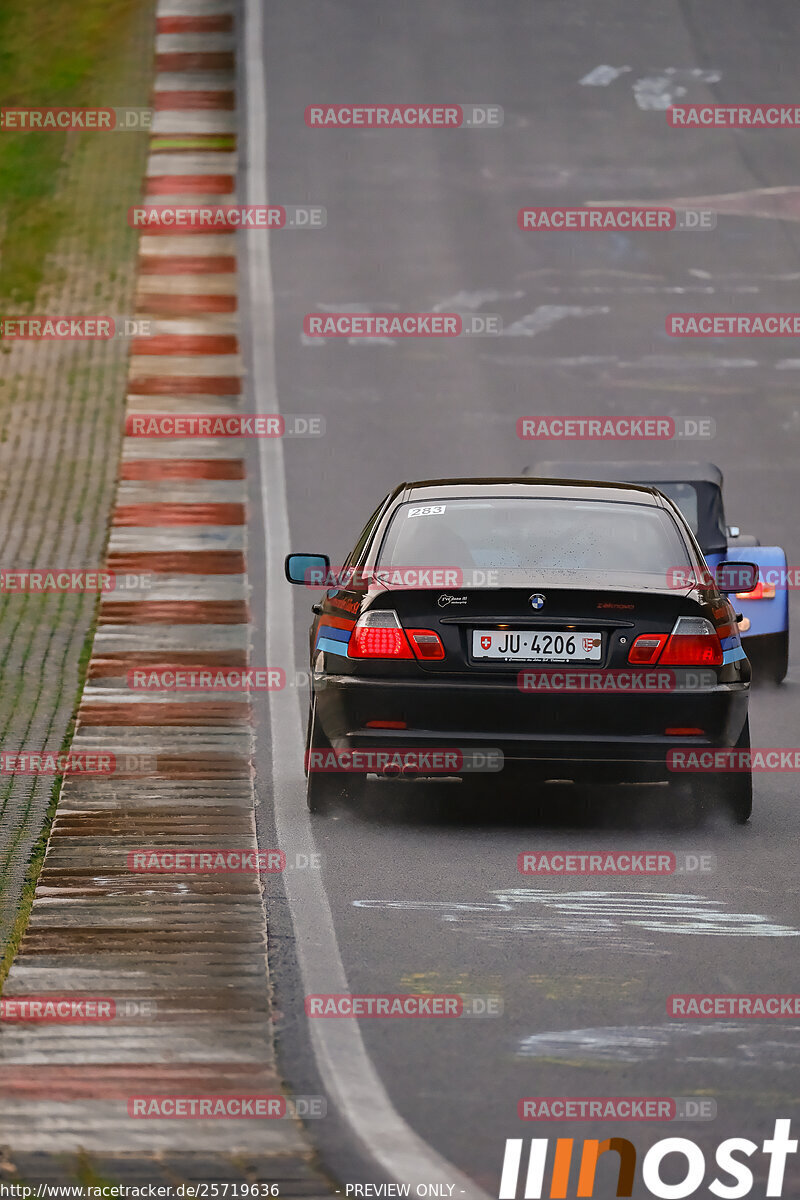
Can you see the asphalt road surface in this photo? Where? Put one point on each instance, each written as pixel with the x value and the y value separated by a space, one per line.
pixel 423 887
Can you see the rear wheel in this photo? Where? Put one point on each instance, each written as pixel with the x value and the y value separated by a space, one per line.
pixel 322 787
pixel 769 656
pixel 326 788
pixel 739 797
pixel 778 660
pixel 730 792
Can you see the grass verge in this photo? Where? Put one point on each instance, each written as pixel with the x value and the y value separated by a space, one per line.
pixel 60 54
pixel 40 849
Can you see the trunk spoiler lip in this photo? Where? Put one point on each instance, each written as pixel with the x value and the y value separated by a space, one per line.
pixel 381 588
pixel 629 586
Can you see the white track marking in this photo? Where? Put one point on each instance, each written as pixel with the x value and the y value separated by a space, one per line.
pixel 657 91
pixel 603 76
pixel 349 1076
pixel 546 315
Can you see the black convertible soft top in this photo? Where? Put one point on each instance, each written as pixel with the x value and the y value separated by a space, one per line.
pixel 707 517
pixel 627 472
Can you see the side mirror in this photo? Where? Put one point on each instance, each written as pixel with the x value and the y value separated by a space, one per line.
pixel 733 531
pixel 736 576
pixel 310 570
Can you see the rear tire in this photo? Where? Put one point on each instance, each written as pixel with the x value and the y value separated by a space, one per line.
pixel 779 658
pixel 728 792
pixel 325 788
pixel 322 788
pixel 321 791
pixel 769 656
pixel 739 798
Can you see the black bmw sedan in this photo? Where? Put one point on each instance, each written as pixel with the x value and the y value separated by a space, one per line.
pixel 533 629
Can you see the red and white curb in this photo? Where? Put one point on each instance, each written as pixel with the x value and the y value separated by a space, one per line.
pixel 185 952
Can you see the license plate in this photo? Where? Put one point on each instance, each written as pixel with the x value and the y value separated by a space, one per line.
pixel 537 645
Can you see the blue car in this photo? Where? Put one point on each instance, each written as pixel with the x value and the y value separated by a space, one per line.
pixel 696 488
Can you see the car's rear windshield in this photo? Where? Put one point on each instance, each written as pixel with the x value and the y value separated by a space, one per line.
pixel 534 534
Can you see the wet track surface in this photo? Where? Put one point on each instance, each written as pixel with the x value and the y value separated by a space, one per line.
pixel 423 884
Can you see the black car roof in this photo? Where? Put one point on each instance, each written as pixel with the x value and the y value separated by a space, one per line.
pixel 525 487
pixel 630 472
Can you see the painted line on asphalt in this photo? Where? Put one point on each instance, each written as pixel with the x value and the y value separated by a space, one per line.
pixel 349 1077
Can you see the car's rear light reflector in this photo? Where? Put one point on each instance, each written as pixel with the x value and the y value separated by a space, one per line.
pixel 387 725
pixel 646 648
pixel 426 643
pixel 379 634
pixel 694 642
pixel 688 731
pixel 762 591
pixel 725 619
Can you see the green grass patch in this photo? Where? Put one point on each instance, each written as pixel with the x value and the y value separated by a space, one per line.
pixel 40 849
pixel 66 53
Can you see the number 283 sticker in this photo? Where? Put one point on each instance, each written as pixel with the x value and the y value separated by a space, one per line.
pixel 428 510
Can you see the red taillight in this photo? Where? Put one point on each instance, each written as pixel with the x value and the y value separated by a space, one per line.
pixel 378 634
pixel 693 643
pixel 684 731
pixel 646 648
pixel 426 643
pixel 379 643
pixel 387 725
pixel 690 651
pixel 762 591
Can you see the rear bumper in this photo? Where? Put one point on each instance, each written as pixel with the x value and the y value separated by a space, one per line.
pixel 767 618
pixel 620 734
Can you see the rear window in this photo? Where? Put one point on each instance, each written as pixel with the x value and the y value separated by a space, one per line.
pixel 534 534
